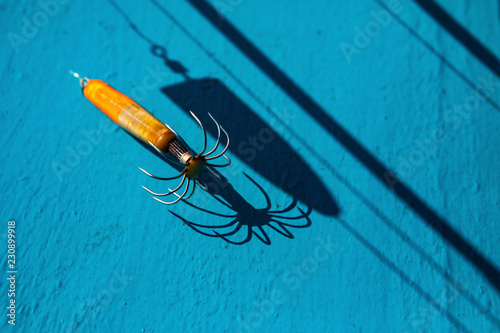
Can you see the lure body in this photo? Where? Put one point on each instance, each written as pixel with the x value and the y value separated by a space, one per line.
pixel 136 120
pixel 128 114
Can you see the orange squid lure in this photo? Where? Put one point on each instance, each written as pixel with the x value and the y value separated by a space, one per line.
pixel 136 120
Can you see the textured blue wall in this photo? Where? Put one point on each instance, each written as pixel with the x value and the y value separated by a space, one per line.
pixel 373 131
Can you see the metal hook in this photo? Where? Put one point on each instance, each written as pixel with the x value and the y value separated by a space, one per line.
pixel 191 164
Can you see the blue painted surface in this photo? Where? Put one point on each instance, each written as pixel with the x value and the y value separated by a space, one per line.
pixel 96 254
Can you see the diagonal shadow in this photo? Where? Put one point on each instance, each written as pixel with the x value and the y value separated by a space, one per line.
pixel 481 52
pixel 376 167
pixel 405 278
pixel 445 61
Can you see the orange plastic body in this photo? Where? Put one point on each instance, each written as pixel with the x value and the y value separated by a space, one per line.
pixel 128 114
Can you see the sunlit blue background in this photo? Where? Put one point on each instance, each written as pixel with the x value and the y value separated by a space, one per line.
pixel 348 113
